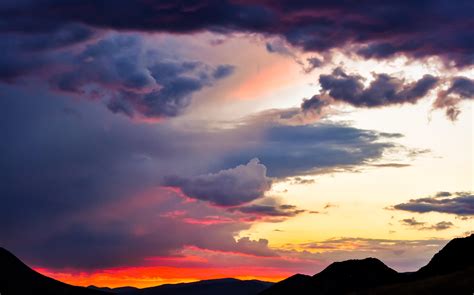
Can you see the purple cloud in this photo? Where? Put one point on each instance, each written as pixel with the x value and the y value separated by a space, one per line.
pixel 458 204
pixel 377 29
pixel 231 187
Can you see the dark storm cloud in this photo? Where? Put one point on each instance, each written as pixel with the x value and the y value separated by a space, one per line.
pixel 72 176
pixel 54 162
pixel 235 186
pixel 111 243
pixel 457 203
pixel 461 88
pixel 296 150
pixel 118 69
pixel 383 91
pixel 24 54
pixel 380 29
pixel 135 79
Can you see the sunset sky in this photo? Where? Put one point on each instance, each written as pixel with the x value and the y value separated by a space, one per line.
pixel 150 142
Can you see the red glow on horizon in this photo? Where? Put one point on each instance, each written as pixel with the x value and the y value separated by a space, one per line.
pixel 142 277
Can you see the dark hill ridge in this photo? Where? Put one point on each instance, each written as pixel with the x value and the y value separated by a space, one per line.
pixel 339 278
pixel 450 271
pixel 457 255
pixel 226 286
pixel 18 279
pixel 296 284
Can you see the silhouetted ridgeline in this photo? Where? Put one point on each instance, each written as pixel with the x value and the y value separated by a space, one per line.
pixel 450 271
pixel 207 287
pixel 18 279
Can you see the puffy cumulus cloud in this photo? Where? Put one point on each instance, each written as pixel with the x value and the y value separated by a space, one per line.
pixel 377 29
pixel 461 88
pixel 384 90
pixel 460 203
pixel 229 187
pixel 412 222
pixel 256 247
pixel 119 69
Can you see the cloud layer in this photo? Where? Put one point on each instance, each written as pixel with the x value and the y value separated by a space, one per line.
pixel 453 203
pixel 377 29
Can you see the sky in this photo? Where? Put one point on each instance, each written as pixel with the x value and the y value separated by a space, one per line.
pixel 152 142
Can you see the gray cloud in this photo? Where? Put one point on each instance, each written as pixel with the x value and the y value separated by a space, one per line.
pixel 269 209
pixel 318 148
pixel 300 180
pixel 119 69
pixel 442 225
pixel 385 90
pixel 135 79
pixel 461 203
pixel 230 187
pixel 412 222
pixel 444 30
pixel 461 88
pixel 314 104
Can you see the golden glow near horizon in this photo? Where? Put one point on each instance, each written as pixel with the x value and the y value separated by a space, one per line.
pixel 360 201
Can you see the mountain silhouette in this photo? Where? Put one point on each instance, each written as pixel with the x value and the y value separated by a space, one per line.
pixel 457 255
pixel 450 271
pixel 296 284
pixel 226 286
pixel 340 278
pixel 18 279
